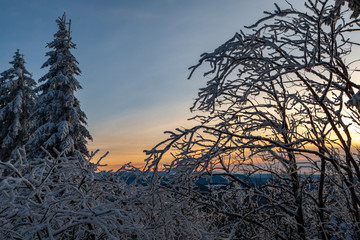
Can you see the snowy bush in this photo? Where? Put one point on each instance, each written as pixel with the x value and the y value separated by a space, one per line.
pixel 65 198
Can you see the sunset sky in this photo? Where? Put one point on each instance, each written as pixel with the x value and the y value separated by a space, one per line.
pixel 134 57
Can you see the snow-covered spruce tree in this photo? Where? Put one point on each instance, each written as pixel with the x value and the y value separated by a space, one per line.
pixel 17 99
pixel 59 122
pixel 280 102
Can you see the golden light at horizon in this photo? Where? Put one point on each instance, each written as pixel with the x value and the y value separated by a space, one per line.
pixel 126 137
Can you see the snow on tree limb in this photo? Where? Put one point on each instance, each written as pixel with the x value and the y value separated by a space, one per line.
pixel 277 102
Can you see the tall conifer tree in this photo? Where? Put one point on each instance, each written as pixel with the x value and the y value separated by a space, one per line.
pixel 59 121
pixel 17 99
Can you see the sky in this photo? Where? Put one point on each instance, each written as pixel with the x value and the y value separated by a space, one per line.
pixel 134 56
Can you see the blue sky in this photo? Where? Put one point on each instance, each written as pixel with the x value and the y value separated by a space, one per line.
pixel 134 57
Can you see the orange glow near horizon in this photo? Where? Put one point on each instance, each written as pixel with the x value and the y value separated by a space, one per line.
pixel 124 149
pixel 126 137
pixel 128 146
